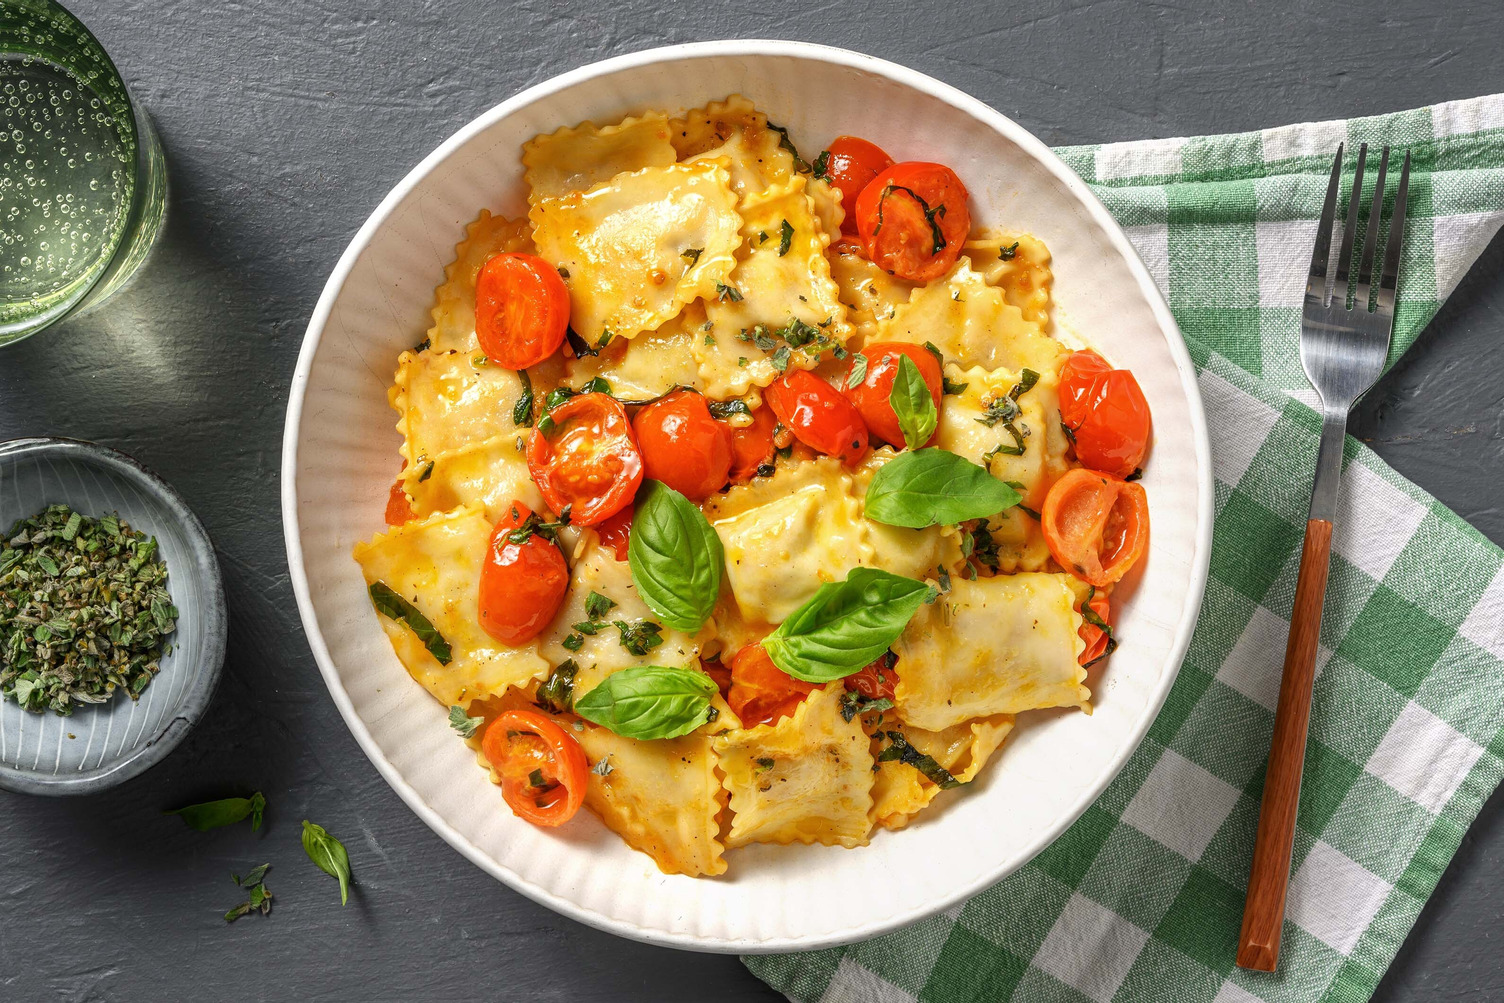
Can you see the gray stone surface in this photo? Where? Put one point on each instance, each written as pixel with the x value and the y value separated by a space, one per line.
pixel 285 122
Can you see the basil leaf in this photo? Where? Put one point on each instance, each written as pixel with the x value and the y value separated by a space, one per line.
pixel 930 487
pixel 218 814
pixel 913 403
pixel 845 625
pixel 391 604
pixel 675 557
pixel 649 701
pixel 329 854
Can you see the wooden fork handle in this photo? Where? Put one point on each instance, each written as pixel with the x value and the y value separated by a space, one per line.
pixel 1264 909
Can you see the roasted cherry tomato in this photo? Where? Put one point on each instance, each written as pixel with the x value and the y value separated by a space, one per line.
pixel 913 218
pixel 876 681
pixel 615 532
pixel 761 692
pixel 587 459
pixel 1095 637
pixel 1096 525
pixel 850 165
pixel 871 395
pixel 1106 413
pixel 818 415
pixel 521 584
pixel 752 446
pixel 542 768
pixel 683 446
pixel 521 310
pixel 398 508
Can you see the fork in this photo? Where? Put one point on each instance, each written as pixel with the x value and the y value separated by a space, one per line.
pixel 1343 349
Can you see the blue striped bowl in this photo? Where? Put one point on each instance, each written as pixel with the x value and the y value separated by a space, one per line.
pixel 105 744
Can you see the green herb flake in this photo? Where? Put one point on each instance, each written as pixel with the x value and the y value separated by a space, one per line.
pixel 853 705
pixel 725 293
pixel 638 637
pixel 780 358
pixel 785 238
pixel 899 749
pixel 329 854
pixel 858 372
pixel 1007 253
pixel 557 692
pixel 84 610
pixel 784 143
pixel 952 387
pixel 463 723
pixel 392 605
pixel 822 165
pixel 259 900
pixel 522 411
pixel 692 255
pixel 597 605
pixel 603 767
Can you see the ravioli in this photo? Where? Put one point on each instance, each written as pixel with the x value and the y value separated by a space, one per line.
pixel 998 645
pixel 578 158
pixel 636 249
pixel 1019 265
pixel 972 323
pixel 899 791
pixel 435 564
pixel 454 301
pixel 650 364
pixel 805 779
pixel 869 294
pixel 450 400
pixel 490 474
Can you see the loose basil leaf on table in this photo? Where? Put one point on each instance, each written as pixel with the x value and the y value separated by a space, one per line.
pixel 675 557
pixel 649 701
pixel 226 811
pixel 329 854
pixel 931 487
pixel 390 604
pixel 913 403
pixel 845 625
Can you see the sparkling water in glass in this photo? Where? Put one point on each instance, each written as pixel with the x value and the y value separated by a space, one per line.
pixel 83 186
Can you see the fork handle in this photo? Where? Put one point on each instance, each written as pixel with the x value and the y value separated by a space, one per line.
pixel 1268 880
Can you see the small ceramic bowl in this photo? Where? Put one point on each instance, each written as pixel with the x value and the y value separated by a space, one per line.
pixel 106 744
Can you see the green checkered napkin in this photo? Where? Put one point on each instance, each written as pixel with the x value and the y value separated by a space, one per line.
pixel 1142 898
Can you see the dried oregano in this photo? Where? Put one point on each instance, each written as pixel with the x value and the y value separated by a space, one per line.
pixel 84 609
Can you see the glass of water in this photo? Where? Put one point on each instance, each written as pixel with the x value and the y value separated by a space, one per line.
pixel 83 186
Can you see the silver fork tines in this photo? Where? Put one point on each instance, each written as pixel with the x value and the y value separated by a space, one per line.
pixel 1343 347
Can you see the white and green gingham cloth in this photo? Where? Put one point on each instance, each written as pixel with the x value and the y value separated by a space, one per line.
pixel 1142 898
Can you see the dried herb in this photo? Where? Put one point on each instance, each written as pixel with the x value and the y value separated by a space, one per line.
pixel 84 610
pixel 557 692
pixel 462 722
pixel 853 704
pixel 858 371
pixel 641 636
pixel 692 255
pixel 723 293
pixel 260 899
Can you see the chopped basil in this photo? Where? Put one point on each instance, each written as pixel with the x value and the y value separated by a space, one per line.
pixel 853 704
pixel 649 702
pixel 1007 253
pixel 603 767
pixel 933 349
pixel 534 525
pixel 1138 473
pixel 981 547
pixel 573 642
pixel 785 238
pixel 427 472
pixel 693 255
pixel 858 371
pixel 780 358
pixel 640 636
pixel 462 722
pixel 822 164
pixel 254 884
pixel 597 385
pixel 723 293
pixel 522 411
pixel 1091 616
pixel 557 692
pixel 392 605
pixel 580 346
pixel 725 409
pixel 952 387
pixel 899 749
pixel 597 605
pixel 785 143
pixel 937 237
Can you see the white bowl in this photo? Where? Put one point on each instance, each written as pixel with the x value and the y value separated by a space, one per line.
pixel 340 455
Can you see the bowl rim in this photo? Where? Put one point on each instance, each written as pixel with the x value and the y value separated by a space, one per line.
pixel 974 107
pixel 207 674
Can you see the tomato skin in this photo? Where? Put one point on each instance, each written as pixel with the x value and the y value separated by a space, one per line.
pixel 818 416
pixel 893 226
pixel 753 446
pixel 1095 637
pixel 615 532
pixel 761 692
pixel 871 395
pixel 683 446
pixel 521 741
pixel 521 584
pixel 398 508
pixel 1096 525
pixel 589 460
pixel 1106 412
pixel 851 166
pixel 521 310
pixel 876 681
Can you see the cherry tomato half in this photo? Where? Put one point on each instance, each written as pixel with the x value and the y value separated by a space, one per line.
pixel 853 163
pixel 913 218
pixel 753 446
pixel 587 460
pixel 1106 413
pixel 1096 526
pixel 683 446
pixel 818 415
pixel 398 508
pixel 521 310
pixel 761 692
pixel 1095 637
pixel 615 532
pixel 525 747
pixel 871 395
pixel 521 584
pixel 877 680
